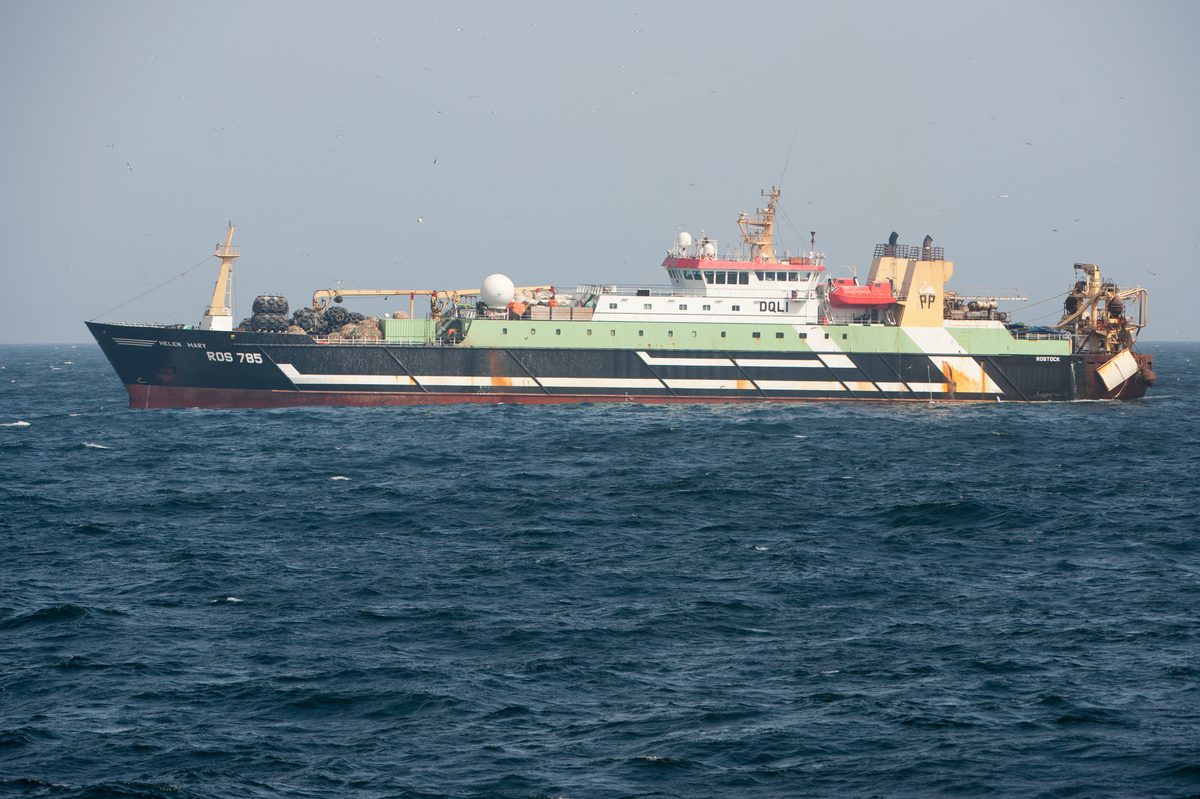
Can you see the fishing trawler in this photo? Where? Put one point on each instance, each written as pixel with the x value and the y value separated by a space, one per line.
pixel 746 325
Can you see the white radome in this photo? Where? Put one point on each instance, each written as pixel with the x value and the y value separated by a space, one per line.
pixel 684 240
pixel 496 291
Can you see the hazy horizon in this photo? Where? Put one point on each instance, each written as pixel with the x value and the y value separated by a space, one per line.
pixel 397 146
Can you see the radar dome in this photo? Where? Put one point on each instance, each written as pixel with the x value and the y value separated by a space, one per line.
pixel 496 291
pixel 684 240
pixel 710 250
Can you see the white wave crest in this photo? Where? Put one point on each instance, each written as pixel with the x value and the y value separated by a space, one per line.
pixel 92 445
pixel 18 423
pixel 339 477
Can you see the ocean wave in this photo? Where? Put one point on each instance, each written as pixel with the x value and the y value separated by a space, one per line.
pixel 549 601
pixel 54 614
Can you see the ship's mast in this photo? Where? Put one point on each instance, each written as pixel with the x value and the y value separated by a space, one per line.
pixel 219 315
pixel 759 232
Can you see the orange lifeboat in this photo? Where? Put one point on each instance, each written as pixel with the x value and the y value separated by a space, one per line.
pixel 845 292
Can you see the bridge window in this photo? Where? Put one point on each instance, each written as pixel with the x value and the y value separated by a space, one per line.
pixel 720 278
pixel 793 277
pixel 743 278
pixel 771 276
pixel 708 277
pixel 758 274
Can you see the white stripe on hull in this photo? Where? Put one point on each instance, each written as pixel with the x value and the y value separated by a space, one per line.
pixel 300 379
pixel 928 388
pixel 600 382
pixel 968 375
pixel 934 340
pixel 718 385
pixel 476 380
pixel 650 360
pixel 837 361
pixel 800 385
pixel 584 383
pixel 779 363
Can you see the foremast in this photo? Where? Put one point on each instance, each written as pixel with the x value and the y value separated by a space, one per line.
pixel 219 315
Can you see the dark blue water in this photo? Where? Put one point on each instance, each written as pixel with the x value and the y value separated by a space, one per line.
pixel 596 601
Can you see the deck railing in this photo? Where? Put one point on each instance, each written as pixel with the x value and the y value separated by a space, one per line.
pixel 913 252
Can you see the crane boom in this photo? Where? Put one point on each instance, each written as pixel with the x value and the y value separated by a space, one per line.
pixel 322 297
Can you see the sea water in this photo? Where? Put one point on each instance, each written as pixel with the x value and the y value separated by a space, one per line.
pixel 596 600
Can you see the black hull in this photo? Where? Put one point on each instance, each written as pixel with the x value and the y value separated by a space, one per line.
pixel 164 367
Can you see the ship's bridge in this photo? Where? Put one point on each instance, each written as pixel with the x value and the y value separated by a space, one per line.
pixel 704 275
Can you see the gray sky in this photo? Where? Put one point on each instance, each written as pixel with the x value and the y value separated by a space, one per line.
pixel 566 143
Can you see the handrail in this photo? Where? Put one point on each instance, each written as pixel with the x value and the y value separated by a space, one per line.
pixel 912 252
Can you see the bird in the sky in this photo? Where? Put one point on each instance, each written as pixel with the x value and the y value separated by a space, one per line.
pixel 129 165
